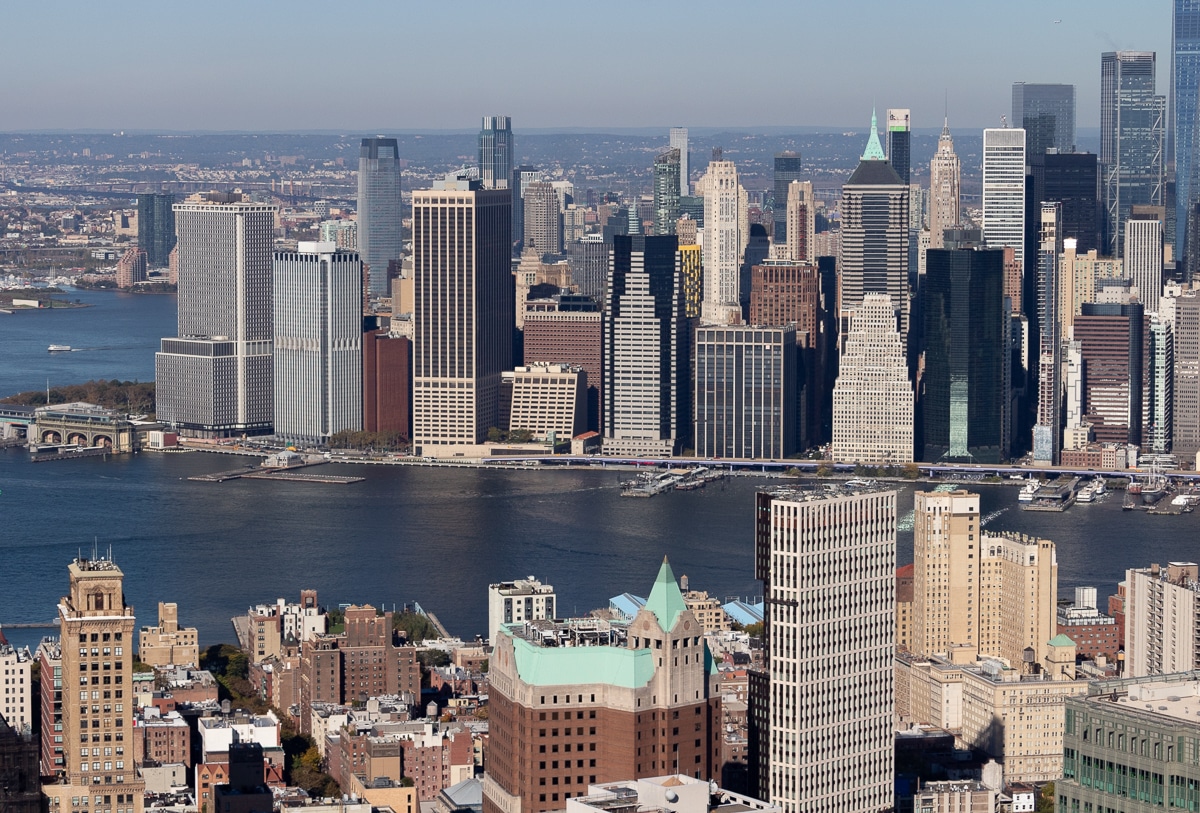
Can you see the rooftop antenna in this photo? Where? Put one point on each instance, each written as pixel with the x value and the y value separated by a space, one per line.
pixel 95 548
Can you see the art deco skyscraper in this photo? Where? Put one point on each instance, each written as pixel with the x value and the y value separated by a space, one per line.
pixel 873 398
pixel 156 228
pixel 318 343
pixel 215 377
pixel 873 257
pixel 899 140
pixel 1132 135
pixel 97 629
pixel 788 168
pixel 801 246
pixel 667 169
pixel 496 152
pixel 1047 115
pixel 464 311
pixel 542 220
pixel 1004 190
pixel 379 215
pixel 1185 104
pixel 945 185
pixel 679 141
pixel 726 233
pixel 821 707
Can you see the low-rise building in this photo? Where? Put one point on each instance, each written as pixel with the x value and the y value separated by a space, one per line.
pixel 676 793
pixel 168 644
pixel 1094 633
pixel 162 739
pixel 518 601
pixel 955 797
pixel 708 611
pixel 547 400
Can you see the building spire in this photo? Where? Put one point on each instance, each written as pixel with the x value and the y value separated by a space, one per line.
pixel 874 150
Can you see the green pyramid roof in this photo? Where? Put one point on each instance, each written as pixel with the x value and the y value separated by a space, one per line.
pixel 874 150
pixel 666 600
pixel 1061 640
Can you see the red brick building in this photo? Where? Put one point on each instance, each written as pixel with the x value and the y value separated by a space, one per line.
pixel 569 337
pixel 387 383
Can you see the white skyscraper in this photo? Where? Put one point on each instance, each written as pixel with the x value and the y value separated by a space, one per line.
pixel 214 378
pixel 822 706
pixel 1144 259
pixel 1004 190
pixel 945 179
pixel 873 399
pixel 318 343
pixel 726 232
pixel 679 141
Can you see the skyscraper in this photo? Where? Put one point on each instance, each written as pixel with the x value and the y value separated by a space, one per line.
pixel 667 168
pixel 542 220
pixel 156 227
pixel 1047 430
pixel 1047 115
pixel 215 377
pixel 726 233
pixel 464 311
pixel 899 143
pixel 679 141
pixel 1185 103
pixel 1143 257
pixel 945 189
pixel 496 152
pixel 1114 348
pixel 1072 179
pixel 788 168
pixel 379 216
pixel 1185 435
pixel 821 708
pixel 522 177
pixel 647 369
pixel 873 398
pixel 1004 190
pixel 97 629
pixel 801 246
pixel 1160 385
pixel 318 343
pixel 966 401
pixel 1132 134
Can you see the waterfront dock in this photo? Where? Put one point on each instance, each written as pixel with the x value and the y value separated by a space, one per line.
pixel 291 473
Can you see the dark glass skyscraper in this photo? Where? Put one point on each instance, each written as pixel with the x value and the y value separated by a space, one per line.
pixel 156 228
pixel 966 378
pixel 1047 114
pixel 666 191
pixel 379 215
pixel 787 169
pixel 899 142
pixel 1132 134
pixel 1185 101
pixel 1072 179
pixel 495 152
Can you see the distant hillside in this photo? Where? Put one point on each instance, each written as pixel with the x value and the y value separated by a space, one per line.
pixel 127 396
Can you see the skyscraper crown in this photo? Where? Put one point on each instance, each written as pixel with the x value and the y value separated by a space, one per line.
pixel 874 150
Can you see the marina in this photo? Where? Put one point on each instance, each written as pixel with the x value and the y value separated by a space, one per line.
pixel 1057 495
pixel 650 483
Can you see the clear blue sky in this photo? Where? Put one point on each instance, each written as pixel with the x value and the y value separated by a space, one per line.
pixel 381 65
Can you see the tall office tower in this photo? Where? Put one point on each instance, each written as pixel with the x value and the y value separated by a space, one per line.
pixel 97 628
pixel 318 343
pixel 156 227
pixel 464 313
pixel 1114 348
pixel 691 267
pixel 1160 385
pixel 1162 608
pixel 1132 132
pixel 873 398
pixel 379 214
pixel 1072 179
pixel 1185 103
pixel 945 189
pixel 619 689
pixel 1047 115
pixel 788 168
pixel 873 256
pixel 1004 190
pixel 1080 277
pixel 966 402
pixel 214 379
pixel 801 223
pixel 496 152
pixel 667 167
pixel 543 220
pixel 647 364
pixel 1185 435
pixel 1143 257
pixel 726 233
pixel 992 593
pixel 1047 429
pixel 588 260
pixel 745 392
pixel 821 708
pixel 522 177
pixel 387 382
pixel 899 143
pixel 679 141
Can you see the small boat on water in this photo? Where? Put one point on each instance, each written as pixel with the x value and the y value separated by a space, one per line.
pixel 60 348
pixel 1029 490
pixel 1092 492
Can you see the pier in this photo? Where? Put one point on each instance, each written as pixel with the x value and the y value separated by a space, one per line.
pixel 291 473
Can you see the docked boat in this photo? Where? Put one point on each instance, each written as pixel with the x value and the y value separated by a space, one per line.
pixel 1092 492
pixel 60 348
pixel 1155 488
pixel 1029 490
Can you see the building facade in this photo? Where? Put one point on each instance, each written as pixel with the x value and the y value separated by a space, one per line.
pixel 378 233
pixel 169 644
pixel 1143 258
pixel 17 703
pixel 801 245
pixel 945 189
pixel 543 219
pixel 496 152
pixel 387 382
pixel 1047 115
pixel 1004 190
pixel 667 169
pixel 899 142
pixel 518 601
pixel 726 234
pixel 1162 611
pixel 679 141
pixel 547 400
pixel 156 227
pixel 788 168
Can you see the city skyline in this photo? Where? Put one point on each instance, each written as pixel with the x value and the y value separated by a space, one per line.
pixel 200 92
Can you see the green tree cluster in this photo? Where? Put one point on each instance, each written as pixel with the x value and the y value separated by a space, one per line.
pixel 382 441
pixel 127 396
pixel 497 435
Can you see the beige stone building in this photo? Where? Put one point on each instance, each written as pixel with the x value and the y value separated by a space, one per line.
pixel 1162 618
pixel 168 644
pixel 548 400
pixel 708 611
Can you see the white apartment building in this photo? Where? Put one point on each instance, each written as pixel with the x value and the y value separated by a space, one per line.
pixel 16 703
pixel 519 601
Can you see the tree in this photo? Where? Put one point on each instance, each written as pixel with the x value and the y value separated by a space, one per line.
pixel 1045 802
pixel 415 626
pixel 824 470
pixel 755 630
pixel 433 657
pixel 911 471
pixel 495 435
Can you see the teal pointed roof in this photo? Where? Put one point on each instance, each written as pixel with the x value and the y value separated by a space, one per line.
pixel 666 600
pixel 1061 640
pixel 874 150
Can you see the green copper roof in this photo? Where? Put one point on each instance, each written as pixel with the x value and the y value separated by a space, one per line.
pixel 1061 640
pixel 666 601
pixel 874 150
pixel 571 665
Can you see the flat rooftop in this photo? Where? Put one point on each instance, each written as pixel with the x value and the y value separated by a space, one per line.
pixel 1176 697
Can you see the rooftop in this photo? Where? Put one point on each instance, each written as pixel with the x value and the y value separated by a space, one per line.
pixel 1176 696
